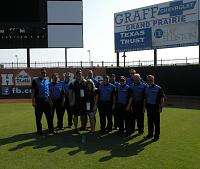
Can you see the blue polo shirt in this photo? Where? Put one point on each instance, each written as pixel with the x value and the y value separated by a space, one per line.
pixel 138 91
pixel 41 87
pixel 116 84
pixel 123 94
pixel 153 94
pixel 96 83
pixel 106 91
pixel 65 85
pixel 56 90
pixel 129 81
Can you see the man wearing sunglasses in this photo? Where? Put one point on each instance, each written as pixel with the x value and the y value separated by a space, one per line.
pixel 41 101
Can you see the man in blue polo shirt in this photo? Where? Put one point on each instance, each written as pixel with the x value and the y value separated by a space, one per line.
pixel 138 90
pixel 106 97
pixel 66 82
pixel 112 80
pixel 57 97
pixel 123 104
pixel 154 96
pixel 130 80
pixel 91 76
pixel 41 101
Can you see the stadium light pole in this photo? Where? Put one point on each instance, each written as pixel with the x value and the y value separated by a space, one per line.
pixel 124 56
pixel 17 60
pixel 89 57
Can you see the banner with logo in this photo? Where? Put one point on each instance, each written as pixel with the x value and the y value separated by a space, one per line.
pixel 185 34
pixel 183 14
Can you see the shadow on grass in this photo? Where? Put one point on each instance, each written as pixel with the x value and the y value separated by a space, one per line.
pixel 118 146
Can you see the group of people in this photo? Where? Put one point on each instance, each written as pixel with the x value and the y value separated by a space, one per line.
pixel 121 105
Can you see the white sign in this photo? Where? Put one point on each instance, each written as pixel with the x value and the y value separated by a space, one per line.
pixel 7 79
pixel 173 12
pixel 175 35
pixel 22 79
pixel 169 24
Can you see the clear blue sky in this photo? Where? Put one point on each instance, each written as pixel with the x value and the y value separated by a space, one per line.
pixel 98 37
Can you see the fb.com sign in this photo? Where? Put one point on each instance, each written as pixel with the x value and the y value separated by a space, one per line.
pixel 15 91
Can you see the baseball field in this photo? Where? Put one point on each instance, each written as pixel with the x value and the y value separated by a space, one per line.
pixel 21 148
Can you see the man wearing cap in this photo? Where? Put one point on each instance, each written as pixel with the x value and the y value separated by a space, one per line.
pixel 41 101
pixel 106 97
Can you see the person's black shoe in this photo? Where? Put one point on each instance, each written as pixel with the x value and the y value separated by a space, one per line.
pixel 76 132
pixel 61 128
pixel 140 132
pixel 83 129
pixel 148 137
pixel 156 138
pixel 109 131
pixel 40 133
pixel 127 134
pixel 51 133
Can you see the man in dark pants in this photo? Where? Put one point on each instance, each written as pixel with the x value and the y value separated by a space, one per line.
pixel 41 101
pixel 123 104
pixel 57 97
pixel 78 86
pixel 66 81
pixel 115 112
pixel 154 96
pixel 106 97
pixel 138 90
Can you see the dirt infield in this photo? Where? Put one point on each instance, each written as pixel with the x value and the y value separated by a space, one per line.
pixel 171 101
pixel 15 101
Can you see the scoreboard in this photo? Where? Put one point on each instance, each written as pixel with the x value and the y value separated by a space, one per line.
pixel 29 24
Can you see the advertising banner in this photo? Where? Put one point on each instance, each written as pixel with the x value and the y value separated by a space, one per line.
pixel 162 15
pixel 185 34
pixel 133 40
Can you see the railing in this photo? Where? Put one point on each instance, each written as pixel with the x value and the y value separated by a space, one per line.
pixel 139 63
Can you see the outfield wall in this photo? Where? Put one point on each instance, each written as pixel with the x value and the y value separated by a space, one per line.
pixel 175 80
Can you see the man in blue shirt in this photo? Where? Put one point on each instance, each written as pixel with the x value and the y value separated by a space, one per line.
pixel 154 97
pixel 138 90
pixel 66 82
pixel 123 104
pixel 112 80
pixel 57 97
pixel 91 76
pixel 106 97
pixel 130 80
pixel 41 101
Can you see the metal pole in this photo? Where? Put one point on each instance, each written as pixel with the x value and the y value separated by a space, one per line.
pixel 124 56
pixel 117 54
pixel 89 57
pixel 66 57
pixel 17 60
pixel 155 57
pixel 28 57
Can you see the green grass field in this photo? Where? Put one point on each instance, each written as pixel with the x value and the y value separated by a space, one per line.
pixel 21 148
